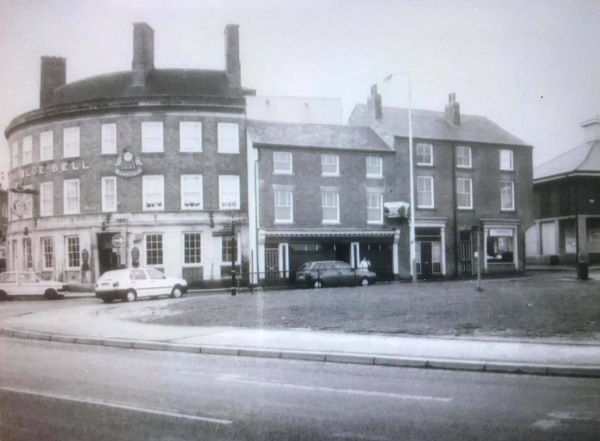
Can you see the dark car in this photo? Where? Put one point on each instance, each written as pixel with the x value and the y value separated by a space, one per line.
pixel 333 273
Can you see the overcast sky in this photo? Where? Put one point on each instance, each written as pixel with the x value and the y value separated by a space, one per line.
pixel 532 66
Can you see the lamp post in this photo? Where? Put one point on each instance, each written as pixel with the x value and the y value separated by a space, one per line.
pixel 411 223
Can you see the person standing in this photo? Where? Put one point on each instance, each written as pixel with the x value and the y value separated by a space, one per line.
pixel 364 263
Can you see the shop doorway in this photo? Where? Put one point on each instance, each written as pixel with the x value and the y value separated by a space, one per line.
pixel 342 252
pixel 271 264
pixel 107 259
pixel 425 260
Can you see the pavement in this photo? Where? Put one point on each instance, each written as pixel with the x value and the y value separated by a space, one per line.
pixel 114 326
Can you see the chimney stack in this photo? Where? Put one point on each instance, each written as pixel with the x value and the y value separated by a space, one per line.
pixel 53 75
pixel 374 103
pixel 143 53
pixel 233 67
pixel 453 110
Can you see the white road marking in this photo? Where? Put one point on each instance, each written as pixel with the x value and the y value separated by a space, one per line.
pixel 118 406
pixel 237 379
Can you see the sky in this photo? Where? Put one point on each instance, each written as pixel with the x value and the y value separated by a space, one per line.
pixel 531 66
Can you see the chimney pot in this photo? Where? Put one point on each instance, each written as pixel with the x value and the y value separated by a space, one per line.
pixel 53 74
pixel 452 111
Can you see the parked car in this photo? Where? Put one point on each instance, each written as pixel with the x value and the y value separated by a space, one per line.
pixel 131 283
pixel 29 283
pixel 333 273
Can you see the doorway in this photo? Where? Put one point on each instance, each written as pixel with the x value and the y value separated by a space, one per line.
pixel 272 264
pixel 107 259
pixel 426 260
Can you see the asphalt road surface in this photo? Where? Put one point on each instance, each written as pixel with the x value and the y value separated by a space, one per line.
pixel 55 391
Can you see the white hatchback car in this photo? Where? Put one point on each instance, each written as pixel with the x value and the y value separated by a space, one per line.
pixel 29 283
pixel 131 283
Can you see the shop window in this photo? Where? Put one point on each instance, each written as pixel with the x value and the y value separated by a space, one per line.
pixel 191 192
pixel 500 248
pixel 190 136
pixel 154 249
pixel 229 138
pixel 282 163
pixel 192 248
pixel 227 249
pixel 73 252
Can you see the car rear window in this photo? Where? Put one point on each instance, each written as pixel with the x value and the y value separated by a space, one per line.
pixel 137 275
pixel 8 277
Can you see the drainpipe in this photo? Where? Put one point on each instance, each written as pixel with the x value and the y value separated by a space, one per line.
pixel 454 211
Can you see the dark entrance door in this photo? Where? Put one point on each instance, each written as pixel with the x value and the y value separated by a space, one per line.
pixel 107 260
pixel 271 264
pixel 426 264
pixel 342 252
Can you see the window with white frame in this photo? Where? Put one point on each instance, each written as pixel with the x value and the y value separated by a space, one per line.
pixel 282 163
pixel 330 165
pixel 229 192
pixel 507 195
pixel 506 160
pixel 191 192
pixel 152 136
pixel 190 136
pixel 109 139
pixel 330 202
pixel 463 156
pixel 46 146
pixel 154 249
pixel 284 208
pixel 71 196
pixel 15 154
pixel 464 193
pixel 46 199
pixel 374 208
pixel 500 245
pixel 374 167
pixel 109 194
pixel 192 248
pixel 424 154
pixel 73 259
pixel 27 254
pixel 47 245
pixel 425 192
pixel 71 142
pixel 153 196
pixel 229 137
pixel 227 250
pixel 27 150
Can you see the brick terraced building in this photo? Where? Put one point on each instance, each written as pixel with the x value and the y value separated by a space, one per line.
pixel 145 167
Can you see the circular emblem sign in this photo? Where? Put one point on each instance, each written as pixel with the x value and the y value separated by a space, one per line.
pixel 118 241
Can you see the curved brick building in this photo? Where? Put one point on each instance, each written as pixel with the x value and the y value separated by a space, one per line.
pixel 145 167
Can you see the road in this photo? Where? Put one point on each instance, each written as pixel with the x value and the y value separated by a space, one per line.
pixel 55 391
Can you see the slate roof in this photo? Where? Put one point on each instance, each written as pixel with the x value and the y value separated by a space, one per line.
pixel 301 135
pixel 428 124
pixel 582 159
pixel 185 82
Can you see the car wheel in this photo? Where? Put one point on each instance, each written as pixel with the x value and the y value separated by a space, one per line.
pixel 107 300
pixel 129 296
pixel 365 282
pixel 51 294
pixel 318 284
pixel 177 292
pixel 3 296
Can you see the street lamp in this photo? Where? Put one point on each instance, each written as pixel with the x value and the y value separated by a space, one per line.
pixel 411 223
